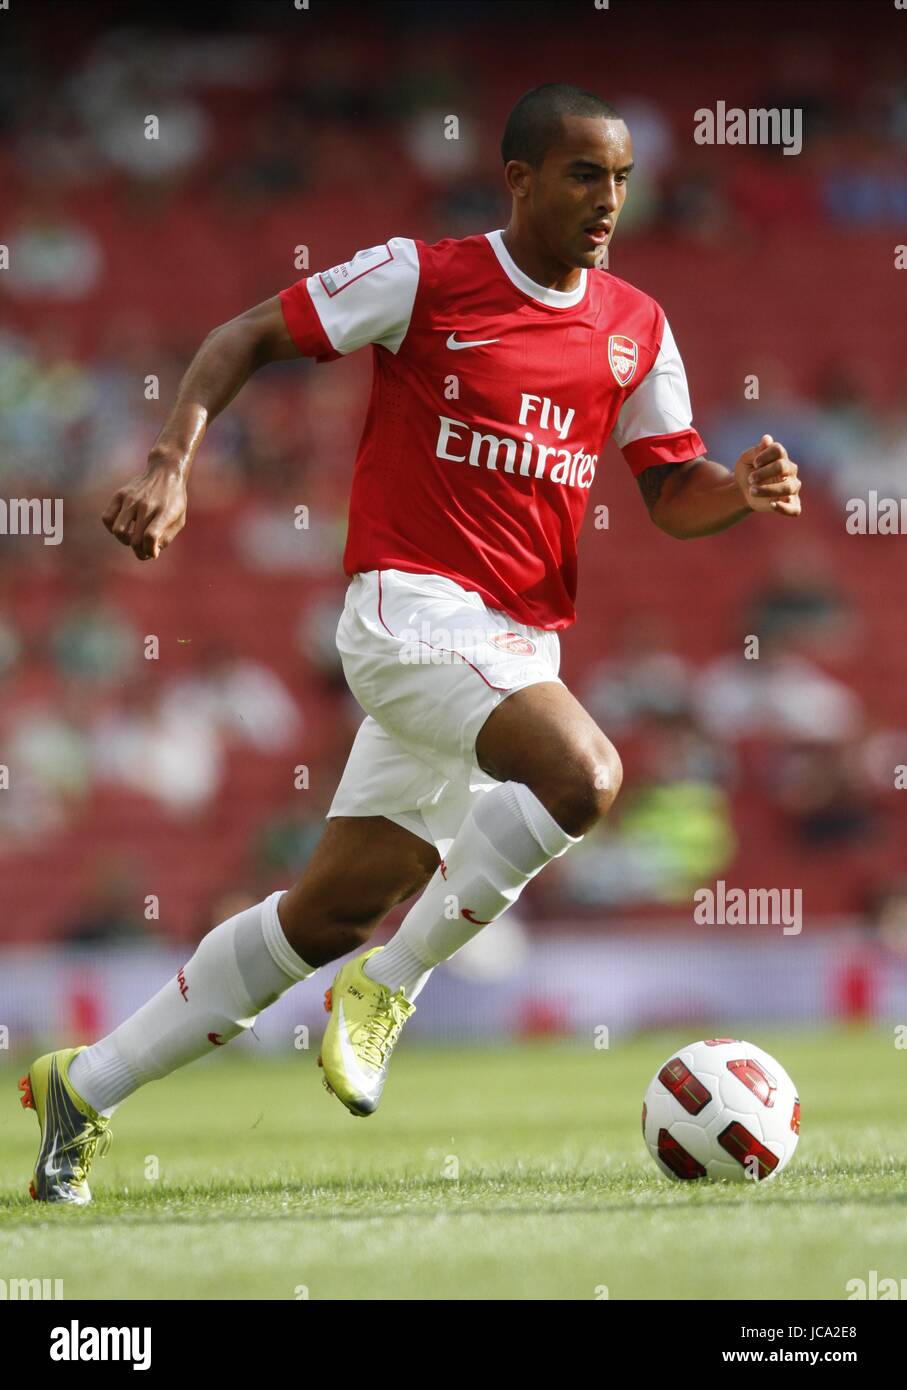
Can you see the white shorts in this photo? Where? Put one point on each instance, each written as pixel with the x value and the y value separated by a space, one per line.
pixel 428 662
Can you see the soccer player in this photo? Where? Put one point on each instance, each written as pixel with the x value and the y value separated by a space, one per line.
pixel 502 364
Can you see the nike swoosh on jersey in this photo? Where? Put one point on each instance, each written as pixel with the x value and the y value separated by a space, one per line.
pixel 455 345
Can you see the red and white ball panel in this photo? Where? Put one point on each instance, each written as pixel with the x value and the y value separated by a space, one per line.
pixel 721 1108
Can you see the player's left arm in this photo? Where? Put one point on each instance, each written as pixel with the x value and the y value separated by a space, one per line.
pixel 687 493
pixel 699 497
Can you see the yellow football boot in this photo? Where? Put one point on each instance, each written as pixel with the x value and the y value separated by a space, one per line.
pixel 365 1023
pixel 71 1132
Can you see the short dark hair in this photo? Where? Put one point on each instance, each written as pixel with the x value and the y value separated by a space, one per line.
pixel 536 122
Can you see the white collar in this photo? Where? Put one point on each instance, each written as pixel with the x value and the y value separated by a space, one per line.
pixel 559 299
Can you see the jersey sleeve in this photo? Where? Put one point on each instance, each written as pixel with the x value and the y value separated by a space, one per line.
pixel 367 300
pixel 655 423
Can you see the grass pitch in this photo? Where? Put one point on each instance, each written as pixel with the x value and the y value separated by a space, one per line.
pixel 512 1173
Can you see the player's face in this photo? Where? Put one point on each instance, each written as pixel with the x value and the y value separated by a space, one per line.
pixel 578 192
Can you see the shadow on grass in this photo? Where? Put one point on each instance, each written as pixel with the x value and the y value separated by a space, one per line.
pixel 529 1192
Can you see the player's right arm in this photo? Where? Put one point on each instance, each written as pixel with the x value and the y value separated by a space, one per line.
pixel 150 510
pixel 367 300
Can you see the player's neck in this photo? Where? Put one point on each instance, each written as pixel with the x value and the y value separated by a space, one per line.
pixel 535 262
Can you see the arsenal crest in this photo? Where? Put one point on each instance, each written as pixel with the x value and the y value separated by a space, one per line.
pixel 623 354
pixel 513 642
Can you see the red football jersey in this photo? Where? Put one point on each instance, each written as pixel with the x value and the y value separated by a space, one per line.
pixel 491 401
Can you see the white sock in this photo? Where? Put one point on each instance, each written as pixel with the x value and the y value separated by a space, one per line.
pixel 505 840
pixel 239 968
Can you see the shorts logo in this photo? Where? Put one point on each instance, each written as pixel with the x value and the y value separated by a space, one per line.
pixel 514 643
pixel 623 355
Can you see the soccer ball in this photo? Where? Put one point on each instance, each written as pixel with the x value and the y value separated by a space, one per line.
pixel 721 1109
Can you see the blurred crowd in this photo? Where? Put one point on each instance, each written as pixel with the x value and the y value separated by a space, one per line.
pixel 791 732
pixel 774 728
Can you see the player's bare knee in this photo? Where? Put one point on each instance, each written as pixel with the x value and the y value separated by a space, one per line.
pixel 607 776
pixel 586 790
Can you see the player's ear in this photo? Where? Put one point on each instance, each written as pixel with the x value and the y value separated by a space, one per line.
pixel 518 177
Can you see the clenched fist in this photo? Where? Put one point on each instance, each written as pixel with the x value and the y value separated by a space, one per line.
pixel 148 512
pixel 768 478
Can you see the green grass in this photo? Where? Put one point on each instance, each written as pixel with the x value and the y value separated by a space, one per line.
pixel 267 1184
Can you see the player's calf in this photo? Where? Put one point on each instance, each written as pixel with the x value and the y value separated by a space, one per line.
pixel 362 867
